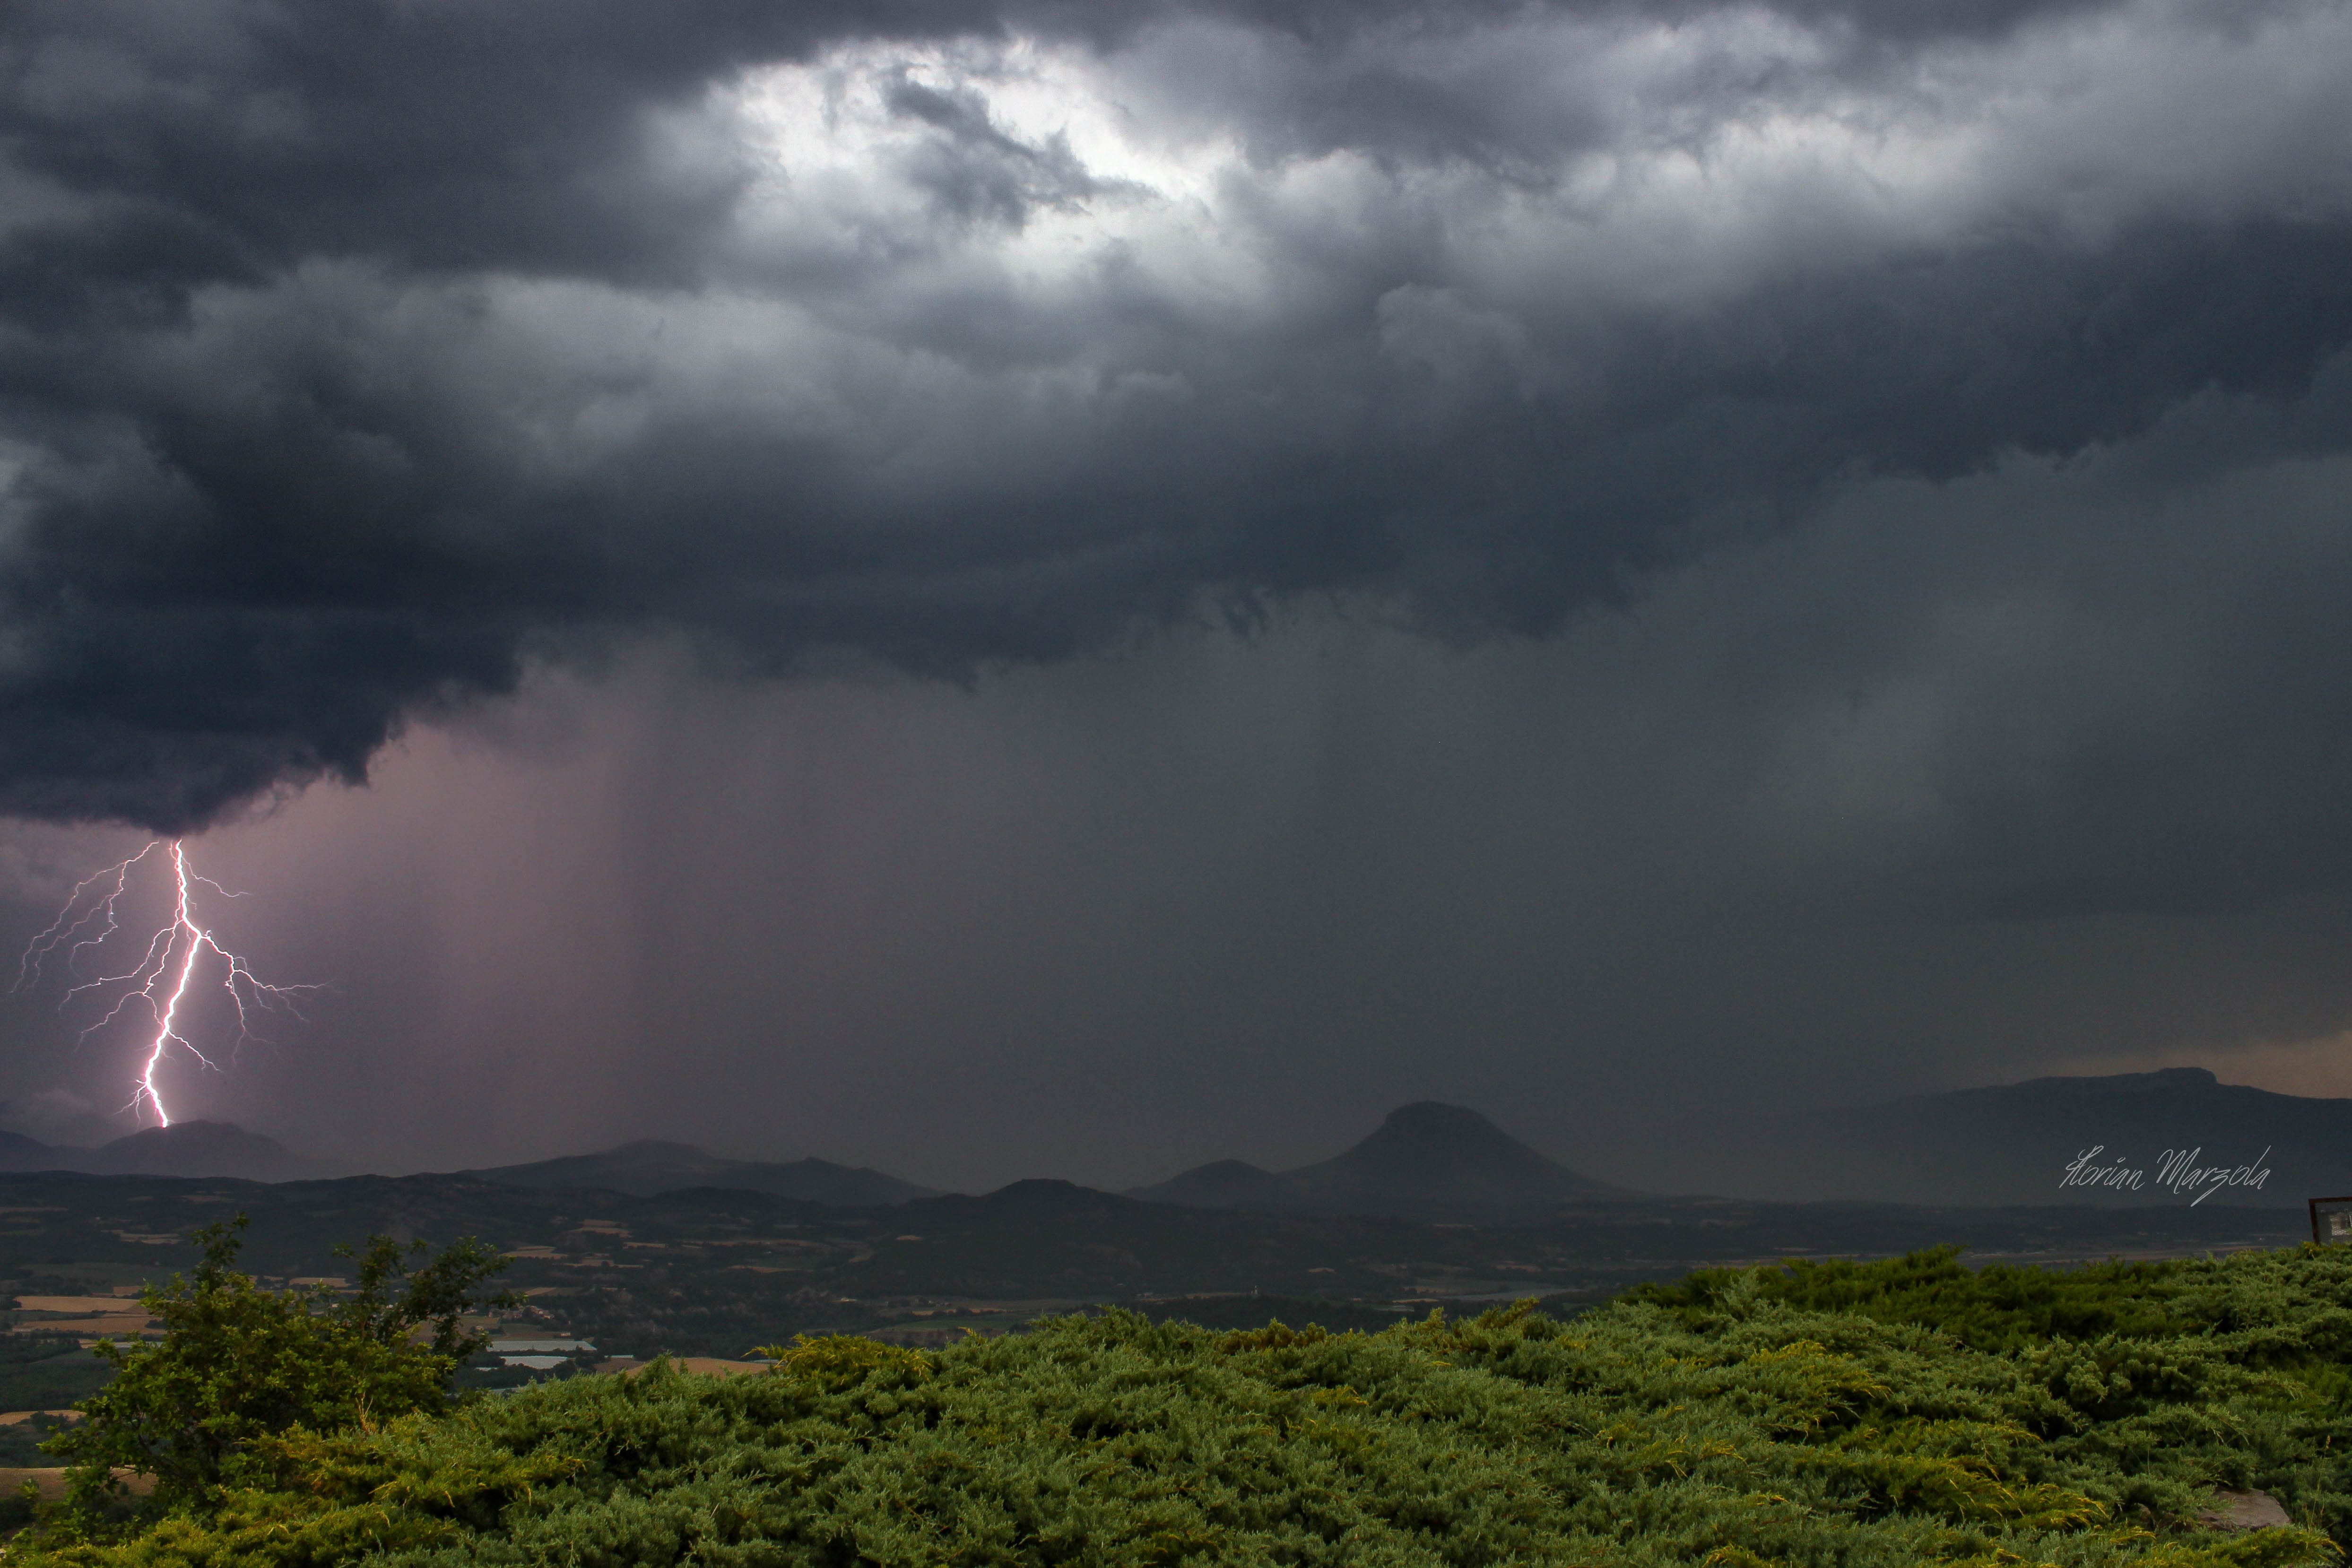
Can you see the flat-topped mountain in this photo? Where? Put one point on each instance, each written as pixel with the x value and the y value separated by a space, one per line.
pixel 2132 1138
pixel 182 1149
pixel 648 1166
pixel 1427 1161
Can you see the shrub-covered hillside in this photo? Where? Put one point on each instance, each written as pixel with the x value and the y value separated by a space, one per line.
pixel 1812 1418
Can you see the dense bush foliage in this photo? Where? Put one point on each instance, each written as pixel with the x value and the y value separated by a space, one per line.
pixel 1996 1308
pixel 1741 1418
pixel 238 1363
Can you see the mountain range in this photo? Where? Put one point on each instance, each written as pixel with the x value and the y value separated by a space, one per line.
pixel 641 1169
pixel 182 1149
pixel 648 1167
pixel 2132 1139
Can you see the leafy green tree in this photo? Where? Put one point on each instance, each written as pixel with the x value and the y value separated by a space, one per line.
pixel 238 1363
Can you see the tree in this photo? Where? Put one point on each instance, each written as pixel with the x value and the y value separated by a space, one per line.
pixel 238 1363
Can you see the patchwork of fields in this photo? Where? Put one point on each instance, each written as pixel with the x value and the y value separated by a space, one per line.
pixel 711 1272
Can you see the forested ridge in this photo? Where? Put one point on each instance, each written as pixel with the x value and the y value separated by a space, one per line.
pixel 1904 1412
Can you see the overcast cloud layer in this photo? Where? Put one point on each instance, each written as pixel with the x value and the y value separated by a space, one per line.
pixel 352 351
pixel 1886 461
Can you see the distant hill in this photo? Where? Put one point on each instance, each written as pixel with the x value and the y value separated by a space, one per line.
pixel 1427 1162
pixel 649 1166
pixel 19 1153
pixel 2012 1143
pixel 1222 1183
pixel 182 1149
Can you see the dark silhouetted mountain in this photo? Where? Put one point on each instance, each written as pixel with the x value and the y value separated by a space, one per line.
pixel 1222 1183
pixel 1055 1238
pixel 198 1149
pixel 1427 1162
pixel 1036 1198
pixel 182 1149
pixel 2013 1144
pixel 649 1166
pixel 1429 1159
pixel 19 1153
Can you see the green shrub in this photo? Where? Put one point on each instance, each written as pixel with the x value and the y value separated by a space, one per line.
pixel 1857 1416
pixel 238 1363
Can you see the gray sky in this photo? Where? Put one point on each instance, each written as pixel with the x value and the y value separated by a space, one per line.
pixel 1074 591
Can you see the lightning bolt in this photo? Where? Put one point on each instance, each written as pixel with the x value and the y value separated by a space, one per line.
pixel 174 954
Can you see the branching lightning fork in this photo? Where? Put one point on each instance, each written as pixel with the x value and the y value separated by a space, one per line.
pixel 160 981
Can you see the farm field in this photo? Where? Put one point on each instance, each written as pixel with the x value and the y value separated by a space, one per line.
pixel 711 1272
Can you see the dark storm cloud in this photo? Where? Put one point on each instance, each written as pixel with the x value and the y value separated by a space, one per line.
pixel 219 139
pixel 351 355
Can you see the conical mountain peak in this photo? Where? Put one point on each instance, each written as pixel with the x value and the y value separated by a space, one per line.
pixel 1428 1129
pixel 1425 1160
